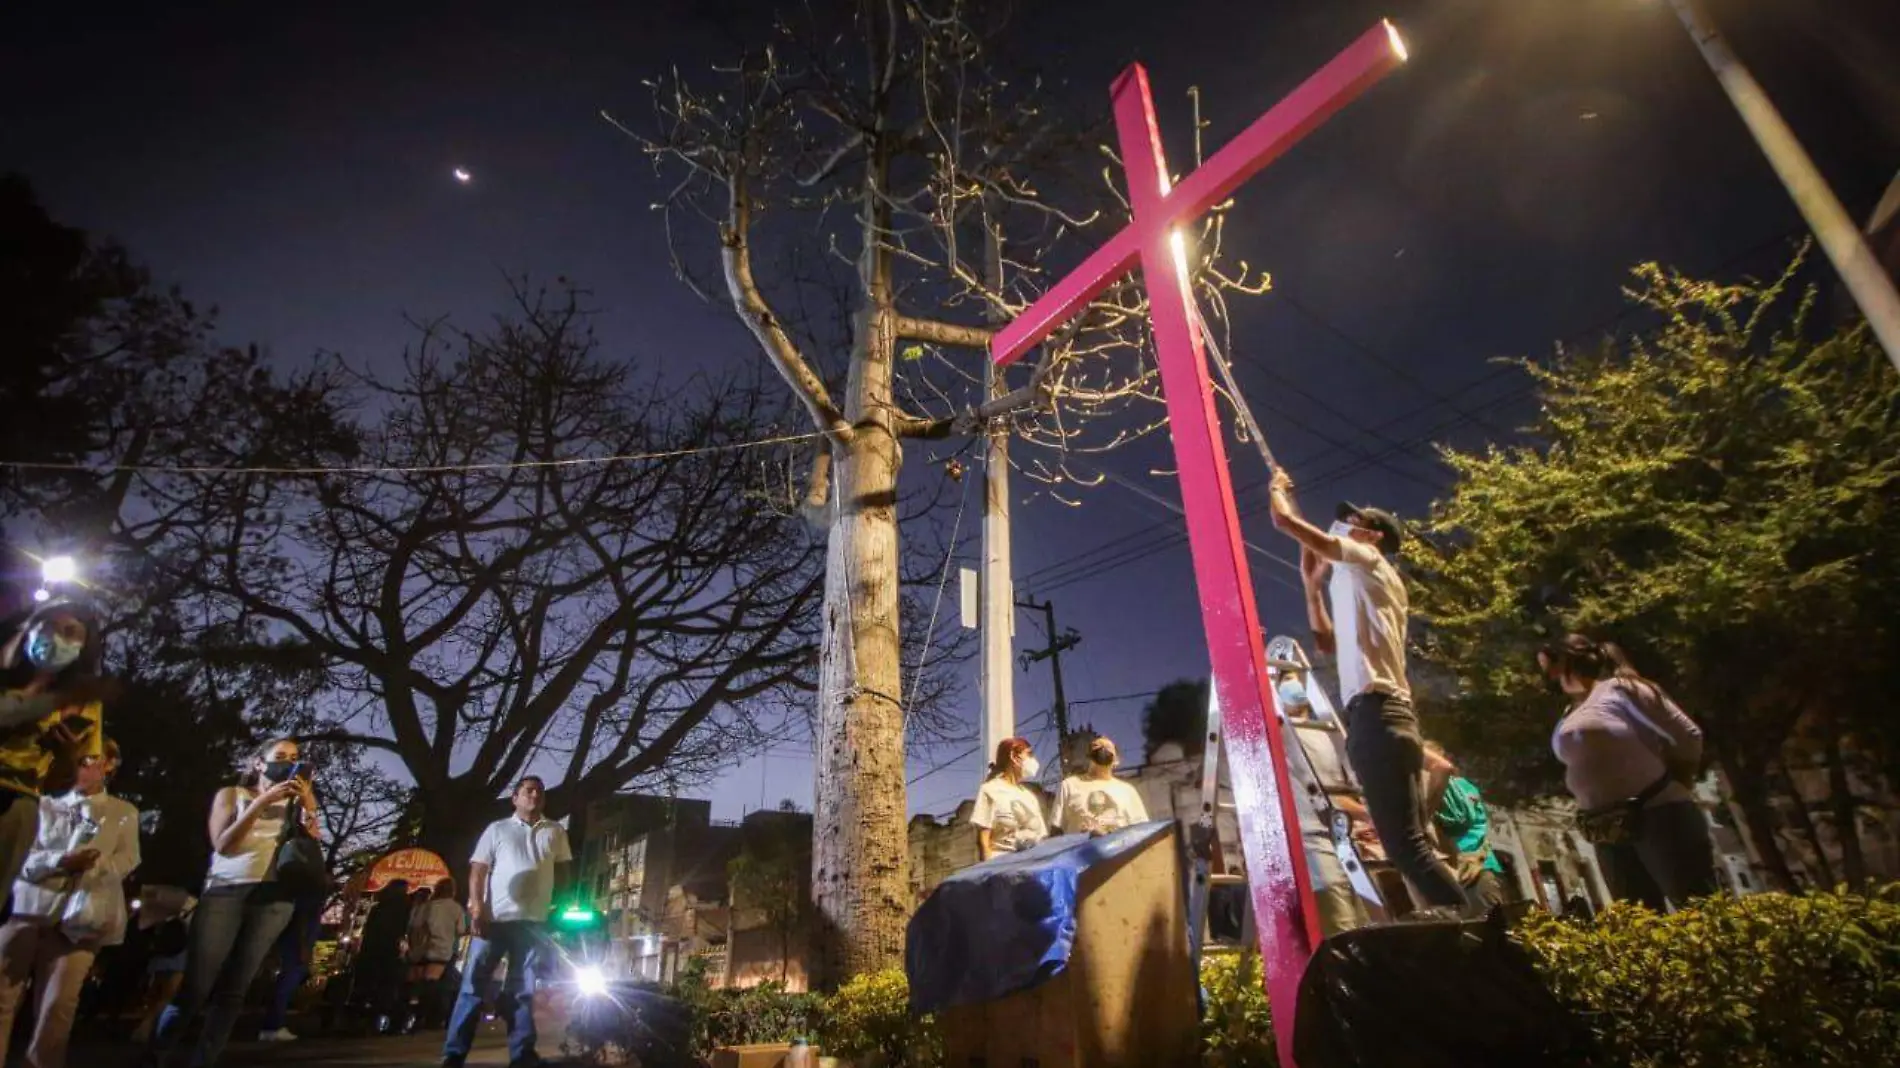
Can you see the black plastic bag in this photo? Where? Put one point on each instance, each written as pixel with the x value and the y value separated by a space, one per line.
pixel 1433 995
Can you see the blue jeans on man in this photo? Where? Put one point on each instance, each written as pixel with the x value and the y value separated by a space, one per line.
pixel 530 954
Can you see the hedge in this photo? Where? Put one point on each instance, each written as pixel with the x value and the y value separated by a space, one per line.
pixel 1767 981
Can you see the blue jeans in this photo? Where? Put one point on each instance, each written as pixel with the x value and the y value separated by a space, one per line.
pixel 293 960
pixel 1387 754
pixel 231 934
pixel 530 955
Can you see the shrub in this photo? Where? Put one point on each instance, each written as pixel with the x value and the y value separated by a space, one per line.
pixel 868 1021
pixel 1236 1025
pixel 764 1013
pixel 1768 981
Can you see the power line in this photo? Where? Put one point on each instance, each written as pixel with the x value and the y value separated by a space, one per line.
pixel 416 469
pixel 1141 543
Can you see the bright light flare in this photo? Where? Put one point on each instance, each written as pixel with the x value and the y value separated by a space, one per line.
pixel 1398 43
pixel 463 176
pixel 41 596
pixel 1178 243
pixel 590 981
pixel 55 570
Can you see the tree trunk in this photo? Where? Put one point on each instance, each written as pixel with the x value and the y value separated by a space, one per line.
pixel 1750 793
pixel 1845 810
pixel 1804 821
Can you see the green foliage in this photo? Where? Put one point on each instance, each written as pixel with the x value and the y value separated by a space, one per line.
pixel 764 1013
pixel 1759 982
pixel 868 1021
pixel 1718 495
pixel 1236 1022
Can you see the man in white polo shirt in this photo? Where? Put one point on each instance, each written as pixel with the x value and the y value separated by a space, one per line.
pixel 511 883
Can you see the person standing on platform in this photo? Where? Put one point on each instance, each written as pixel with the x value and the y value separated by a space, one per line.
pixel 511 882
pixel 1096 802
pixel 1465 825
pixel 1008 816
pixel 1366 623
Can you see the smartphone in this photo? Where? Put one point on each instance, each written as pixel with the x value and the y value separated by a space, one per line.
pixel 301 771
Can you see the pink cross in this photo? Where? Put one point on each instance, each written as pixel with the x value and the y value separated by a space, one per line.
pixel 1276 860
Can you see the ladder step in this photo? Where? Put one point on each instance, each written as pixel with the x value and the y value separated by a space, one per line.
pixel 1325 726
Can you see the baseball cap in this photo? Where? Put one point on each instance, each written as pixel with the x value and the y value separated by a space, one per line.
pixel 1375 519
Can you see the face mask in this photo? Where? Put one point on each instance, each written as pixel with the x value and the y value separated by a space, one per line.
pixel 1340 529
pixel 50 652
pixel 1292 694
pixel 278 770
pixel 1103 756
pixel 1031 767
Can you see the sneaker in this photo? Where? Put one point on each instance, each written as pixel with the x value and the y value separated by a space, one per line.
pixel 282 1034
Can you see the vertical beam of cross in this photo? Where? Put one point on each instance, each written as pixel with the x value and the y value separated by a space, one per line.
pixel 1268 816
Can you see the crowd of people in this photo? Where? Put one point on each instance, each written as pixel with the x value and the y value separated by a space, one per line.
pixel 69 850
pixel 1630 753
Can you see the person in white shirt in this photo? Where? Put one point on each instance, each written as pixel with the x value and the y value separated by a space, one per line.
pixel 511 883
pixel 243 909
pixel 1366 624
pixel 1096 802
pixel 68 903
pixel 1008 817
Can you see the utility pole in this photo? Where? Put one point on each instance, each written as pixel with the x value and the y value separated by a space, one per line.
pixel 1058 644
pixel 1839 238
pixel 996 593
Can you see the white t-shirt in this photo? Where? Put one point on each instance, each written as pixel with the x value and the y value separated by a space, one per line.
pixel 1369 611
pixel 521 860
pixel 1084 806
pixel 1012 813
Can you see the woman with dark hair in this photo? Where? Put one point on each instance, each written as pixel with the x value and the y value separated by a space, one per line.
pixel 51 713
pixel 379 967
pixel 1630 757
pixel 243 910
pixel 1008 817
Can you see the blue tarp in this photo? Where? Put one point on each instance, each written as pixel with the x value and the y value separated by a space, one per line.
pixel 1007 924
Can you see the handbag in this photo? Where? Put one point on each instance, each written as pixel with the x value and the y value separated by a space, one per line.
pixel 299 860
pixel 1619 823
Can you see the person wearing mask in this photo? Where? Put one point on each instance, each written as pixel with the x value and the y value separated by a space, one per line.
pixel 1363 618
pixel 68 904
pixel 51 714
pixel 1630 757
pixel 1337 900
pixel 1464 824
pixel 511 881
pixel 1095 801
pixel 435 929
pixel 242 911
pixel 1008 816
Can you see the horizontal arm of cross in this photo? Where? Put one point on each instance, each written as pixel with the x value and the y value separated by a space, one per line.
pixel 1335 85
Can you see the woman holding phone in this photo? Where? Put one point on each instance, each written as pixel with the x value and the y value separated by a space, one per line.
pixel 242 911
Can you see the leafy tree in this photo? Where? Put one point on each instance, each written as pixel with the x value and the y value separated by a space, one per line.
pixel 770 877
pixel 1718 496
pixel 1178 714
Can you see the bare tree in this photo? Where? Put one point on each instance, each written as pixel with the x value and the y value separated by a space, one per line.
pixel 537 563
pixel 888 141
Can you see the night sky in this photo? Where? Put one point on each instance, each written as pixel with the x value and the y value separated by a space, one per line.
pixel 296 170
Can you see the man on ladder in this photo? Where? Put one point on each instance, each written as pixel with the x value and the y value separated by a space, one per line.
pixel 1367 625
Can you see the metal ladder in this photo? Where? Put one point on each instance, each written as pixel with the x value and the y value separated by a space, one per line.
pixel 1318 782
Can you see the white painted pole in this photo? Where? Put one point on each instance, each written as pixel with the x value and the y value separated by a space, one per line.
pixel 997 597
pixel 1840 239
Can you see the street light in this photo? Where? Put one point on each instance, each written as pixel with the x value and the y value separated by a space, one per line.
pixel 1840 239
pixel 58 570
